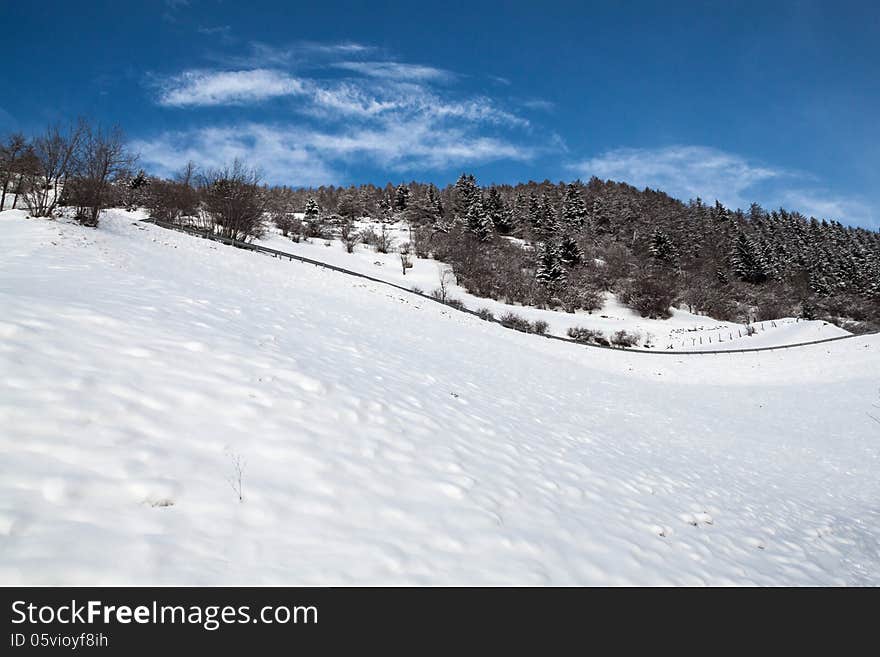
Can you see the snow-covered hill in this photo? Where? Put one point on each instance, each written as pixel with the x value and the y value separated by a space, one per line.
pixel 387 439
pixel 683 331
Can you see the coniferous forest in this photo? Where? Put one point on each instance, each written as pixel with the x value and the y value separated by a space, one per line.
pixel 563 244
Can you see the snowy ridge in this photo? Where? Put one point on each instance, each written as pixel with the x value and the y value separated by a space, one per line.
pixel 388 440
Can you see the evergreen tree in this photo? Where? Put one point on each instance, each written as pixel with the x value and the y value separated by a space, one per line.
pixel 401 197
pixel 574 210
pixel 434 202
pixel 747 260
pixel 534 212
pixel 497 210
pixel 547 214
pixel 550 271
pixel 662 248
pixel 312 210
pixel 477 221
pixel 465 194
pixel 570 252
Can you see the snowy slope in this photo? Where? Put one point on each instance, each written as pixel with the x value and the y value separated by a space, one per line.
pixel 391 440
pixel 683 331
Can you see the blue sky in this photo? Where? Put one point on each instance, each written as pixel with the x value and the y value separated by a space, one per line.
pixel 777 102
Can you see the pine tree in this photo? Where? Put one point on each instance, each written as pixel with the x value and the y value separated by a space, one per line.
pixel 477 221
pixel 401 197
pixel 570 252
pixel 534 211
pixel 466 194
pixel 547 214
pixel 312 210
pixel 434 202
pixel 497 210
pixel 574 210
pixel 550 271
pixel 662 248
pixel 747 260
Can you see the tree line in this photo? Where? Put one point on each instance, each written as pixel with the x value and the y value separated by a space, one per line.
pixel 557 245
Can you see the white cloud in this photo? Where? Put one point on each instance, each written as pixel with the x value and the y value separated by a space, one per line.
pixel 685 172
pixel 395 115
pixel 204 88
pixel 297 155
pixel 824 205
pixel 396 71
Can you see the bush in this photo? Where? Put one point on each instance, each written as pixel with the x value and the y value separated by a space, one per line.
pixel 649 295
pixel 624 339
pixel 458 304
pixel 514 321
pixel 350 238
pixel 485 313
pixel 540 327
pixel 416 289
pixel 580 334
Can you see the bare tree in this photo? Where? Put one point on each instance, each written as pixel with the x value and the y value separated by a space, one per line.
pixel 11 152
pixel 233 201
pixel 447 278
pixel 54 160
pixel 102 157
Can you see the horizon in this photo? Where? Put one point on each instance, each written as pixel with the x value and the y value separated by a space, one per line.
pixel 735 102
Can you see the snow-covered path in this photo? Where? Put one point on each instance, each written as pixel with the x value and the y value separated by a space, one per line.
pixel 390 440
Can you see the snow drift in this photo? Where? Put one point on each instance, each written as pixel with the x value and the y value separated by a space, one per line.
pixel 389 440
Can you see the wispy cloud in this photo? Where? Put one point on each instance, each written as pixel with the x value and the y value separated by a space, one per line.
pixel 395 115
pixel 292 55
pixel 688 172
pixel 397 71
pixel 298 155
pixel 203 88
pixel 824 204
pixel 685 172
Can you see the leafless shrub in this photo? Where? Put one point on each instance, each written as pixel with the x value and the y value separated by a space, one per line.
pixel 405 256
pixel 350 237
pixel 514 321
pixel 447 278
pixel 384 241
pixel 580 334
pixel 625 339
pixel 233 202
pixel 486 314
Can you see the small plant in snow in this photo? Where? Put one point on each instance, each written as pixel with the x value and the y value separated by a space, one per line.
pixel 405 257
pixel 485 313
pixel 446 280
pixel 235 478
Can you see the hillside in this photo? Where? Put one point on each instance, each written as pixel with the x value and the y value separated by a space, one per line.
pixel 683 331
pixel 386 439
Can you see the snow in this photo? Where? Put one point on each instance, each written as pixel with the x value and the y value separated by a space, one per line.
pixel 682 332
pixel 390 440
